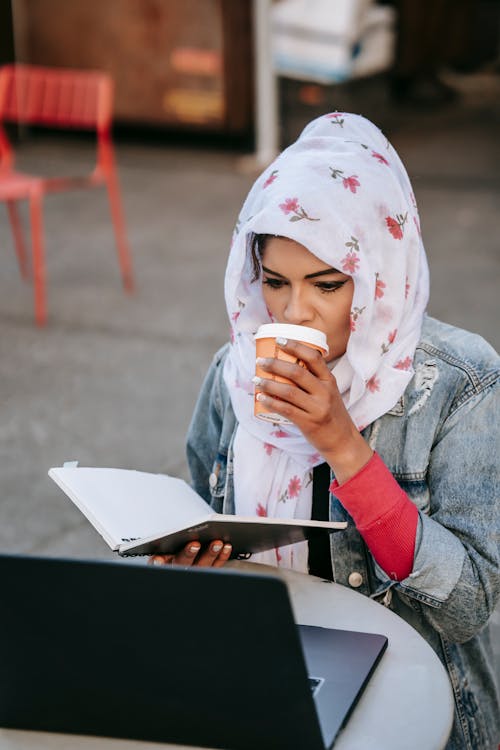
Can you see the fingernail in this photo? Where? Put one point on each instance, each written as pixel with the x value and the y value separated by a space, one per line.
pixel 281 341
pixel 257 380
pixel 227 549
pixel 262 361
pixel 216 547
pixel 194 549
pixel 260 397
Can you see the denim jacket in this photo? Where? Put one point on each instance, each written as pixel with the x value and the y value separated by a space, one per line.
pixel 441 444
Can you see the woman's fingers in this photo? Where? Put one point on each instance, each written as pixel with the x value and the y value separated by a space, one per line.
pixel 312 358
pixel 160 560
pixel 224 556
pixel 305 372
pixel 309 397
pixel 285 393
pixel 283 408
pixel 314 380
pixel 216 554
pixel 187 555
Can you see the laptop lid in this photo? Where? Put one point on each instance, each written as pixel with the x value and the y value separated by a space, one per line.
pixel 340 664
pixel 198 656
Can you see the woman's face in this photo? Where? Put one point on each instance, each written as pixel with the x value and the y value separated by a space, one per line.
pixel 299 288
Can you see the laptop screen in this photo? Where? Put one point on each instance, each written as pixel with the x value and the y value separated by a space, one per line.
pixel 193 656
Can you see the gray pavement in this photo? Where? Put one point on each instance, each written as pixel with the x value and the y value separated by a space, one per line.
pixel 112 379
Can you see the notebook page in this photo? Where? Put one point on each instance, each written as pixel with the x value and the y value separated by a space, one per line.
pixel 123 504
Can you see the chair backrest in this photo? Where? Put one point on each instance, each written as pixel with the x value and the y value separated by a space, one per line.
pixel 56 97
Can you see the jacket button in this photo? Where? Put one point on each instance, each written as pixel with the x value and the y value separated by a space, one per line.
pixel 355 579
pixel 212 480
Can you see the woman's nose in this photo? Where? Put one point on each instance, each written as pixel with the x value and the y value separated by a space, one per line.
pixel 297 310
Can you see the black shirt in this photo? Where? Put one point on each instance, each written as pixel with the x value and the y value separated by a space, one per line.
pixel 320 561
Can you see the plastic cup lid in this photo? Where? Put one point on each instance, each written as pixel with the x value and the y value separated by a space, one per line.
pixel 297 333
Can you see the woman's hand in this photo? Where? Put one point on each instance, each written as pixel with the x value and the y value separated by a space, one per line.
pixel 214 555
pixel 312 401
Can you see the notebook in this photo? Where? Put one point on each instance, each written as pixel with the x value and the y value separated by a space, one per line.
pixel 194 656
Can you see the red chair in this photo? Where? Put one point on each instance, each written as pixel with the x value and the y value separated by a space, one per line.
pixel 57 98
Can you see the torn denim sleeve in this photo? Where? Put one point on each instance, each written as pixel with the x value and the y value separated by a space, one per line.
pixel 456 573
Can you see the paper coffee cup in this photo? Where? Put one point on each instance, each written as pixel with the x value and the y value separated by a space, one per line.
pixel 265 346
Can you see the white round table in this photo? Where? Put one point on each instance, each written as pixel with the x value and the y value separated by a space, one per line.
pixel 407 705
pixel 408 702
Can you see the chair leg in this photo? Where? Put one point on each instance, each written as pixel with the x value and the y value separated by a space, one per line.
pixel 119 227
pixel 38 258
pixel 17 233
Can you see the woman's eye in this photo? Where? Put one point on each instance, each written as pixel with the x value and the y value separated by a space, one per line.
pixel 329 286
pixel 273 283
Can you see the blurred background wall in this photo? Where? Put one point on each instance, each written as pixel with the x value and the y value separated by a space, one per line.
pixel 175 63
pixel 189 64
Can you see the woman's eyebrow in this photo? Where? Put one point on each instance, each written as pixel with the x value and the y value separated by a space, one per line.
pixel 322 273
pixel 308 276
pixel 273 273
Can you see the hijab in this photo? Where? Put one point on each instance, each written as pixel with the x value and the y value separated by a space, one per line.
pixel 343 193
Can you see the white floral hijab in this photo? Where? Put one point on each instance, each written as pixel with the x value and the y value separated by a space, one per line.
pixel 341 191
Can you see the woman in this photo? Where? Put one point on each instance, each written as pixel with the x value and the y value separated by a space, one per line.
pixel 393 432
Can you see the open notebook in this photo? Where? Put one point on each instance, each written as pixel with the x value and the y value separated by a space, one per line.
pixel 138 513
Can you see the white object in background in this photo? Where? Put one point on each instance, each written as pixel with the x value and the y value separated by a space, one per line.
pixel 377 43
pixel 266 94
pixel 316 40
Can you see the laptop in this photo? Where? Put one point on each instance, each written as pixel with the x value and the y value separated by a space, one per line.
pixel 194 656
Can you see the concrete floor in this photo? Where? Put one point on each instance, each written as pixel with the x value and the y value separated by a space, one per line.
pixel 112 379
